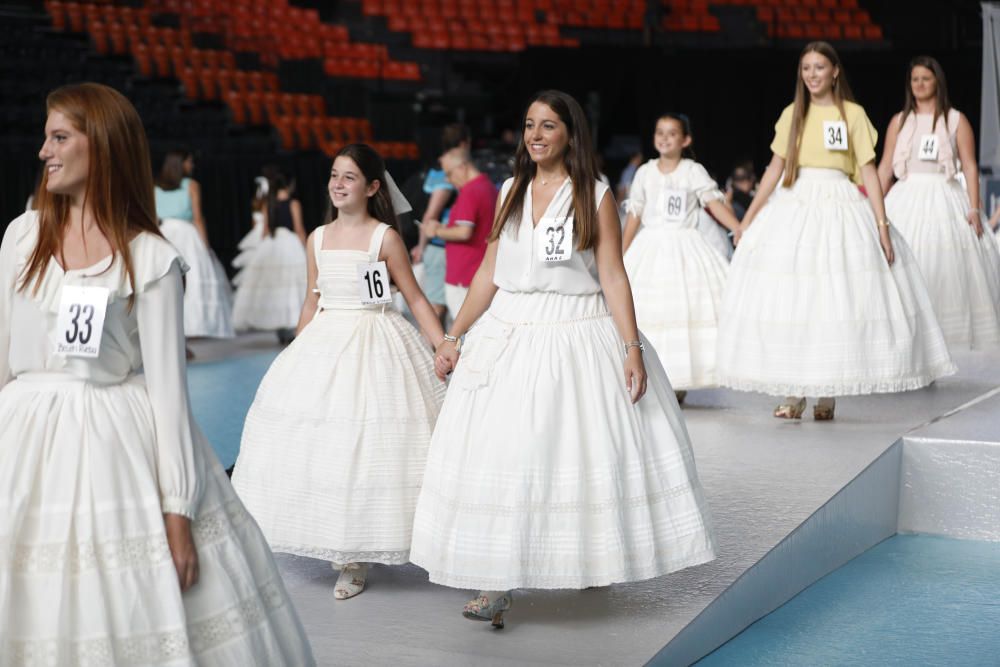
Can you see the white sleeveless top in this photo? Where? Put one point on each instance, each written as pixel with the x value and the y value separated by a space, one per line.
pixel 518 268
pixel 337 272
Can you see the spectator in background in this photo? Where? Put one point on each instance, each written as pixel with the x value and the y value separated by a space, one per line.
pixel 429 251
pixel 741 188
pixel 628 173
pixel 469 224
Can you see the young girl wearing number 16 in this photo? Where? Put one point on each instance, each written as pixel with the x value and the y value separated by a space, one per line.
pixel 824 297
pixel 677 277
pixel 334 445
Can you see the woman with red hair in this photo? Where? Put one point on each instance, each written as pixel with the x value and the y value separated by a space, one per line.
pixel 123 542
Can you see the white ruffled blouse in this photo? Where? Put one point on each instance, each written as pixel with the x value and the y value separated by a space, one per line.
pixel 146 340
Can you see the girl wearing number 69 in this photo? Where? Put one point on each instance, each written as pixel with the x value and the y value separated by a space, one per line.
pixel 334 444
pixel 123 541
pixel 548 467
pixel 824 297
pixel 924 146
pixel 677 278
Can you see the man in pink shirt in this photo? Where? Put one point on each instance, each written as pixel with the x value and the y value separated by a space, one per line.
pixel 469 225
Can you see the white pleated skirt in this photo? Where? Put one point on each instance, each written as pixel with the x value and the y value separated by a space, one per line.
pixel 272 284
pixel 86 575
pixel 677 282
pixel 962 271
pixel 541 473
pixel 812 308
pixel 207 296
pixel 334 445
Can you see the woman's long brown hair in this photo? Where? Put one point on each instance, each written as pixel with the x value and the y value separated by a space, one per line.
pixel 580 161
pixel 942 105
pixel 841 92
pixel 119 188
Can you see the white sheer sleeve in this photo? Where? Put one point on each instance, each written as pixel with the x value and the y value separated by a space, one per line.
pixel 180 470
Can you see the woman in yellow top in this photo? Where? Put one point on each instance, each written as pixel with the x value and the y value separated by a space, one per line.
pixel 824 298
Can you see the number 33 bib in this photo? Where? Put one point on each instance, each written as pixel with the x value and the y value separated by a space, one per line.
pixel 80 324
pixel 555 239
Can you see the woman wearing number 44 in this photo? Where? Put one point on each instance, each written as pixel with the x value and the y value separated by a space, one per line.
pixel 676 276
pixel 824 298
pixel 548 467
pixel 335 442
pixel 938 218
pixel 123 541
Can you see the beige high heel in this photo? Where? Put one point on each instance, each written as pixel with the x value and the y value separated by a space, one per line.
pixel 791 408
pixel 482 608
pixel 824 408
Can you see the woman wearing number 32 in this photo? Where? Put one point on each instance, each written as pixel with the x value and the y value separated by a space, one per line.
pixel 335 442
pixel 824 297
pixel 548 467
pixel 122 540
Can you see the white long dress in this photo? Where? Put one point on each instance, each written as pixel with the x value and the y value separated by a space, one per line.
pixel 929 207
pixel 93 452
pixel 207 295
pixel 812 308
pixel 541 472
pixel 246 247
pixel 677 277
pixel 334 445
pixel 272 284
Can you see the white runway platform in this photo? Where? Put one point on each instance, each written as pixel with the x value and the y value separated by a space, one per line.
pixel 791 502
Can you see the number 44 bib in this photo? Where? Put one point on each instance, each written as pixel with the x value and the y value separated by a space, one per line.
pixel 80 324
pixel 555 242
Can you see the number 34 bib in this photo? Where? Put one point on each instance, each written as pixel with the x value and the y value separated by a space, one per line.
pixel 80 324
pixel 834 135
pixel 554 241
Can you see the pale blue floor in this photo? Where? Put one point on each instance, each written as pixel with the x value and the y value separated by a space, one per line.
pixel 221 394
pixel 911 600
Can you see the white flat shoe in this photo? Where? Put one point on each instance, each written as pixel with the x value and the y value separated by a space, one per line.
pixel 351 581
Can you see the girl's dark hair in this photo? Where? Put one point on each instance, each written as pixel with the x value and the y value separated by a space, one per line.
pixel 277 179
pixel 171 170
pixel 685 123
pixel 372 167
pixel 942 105
pixel 580 162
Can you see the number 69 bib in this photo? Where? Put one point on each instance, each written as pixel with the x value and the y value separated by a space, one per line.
pixel 80 324
pixel 673 205
pixel 555 243
pixel 373 283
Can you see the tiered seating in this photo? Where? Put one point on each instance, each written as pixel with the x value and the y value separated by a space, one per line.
pixel 492 25
pixel 211 74
pixel 785 19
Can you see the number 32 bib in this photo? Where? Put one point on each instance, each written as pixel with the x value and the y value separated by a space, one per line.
pixel 554 239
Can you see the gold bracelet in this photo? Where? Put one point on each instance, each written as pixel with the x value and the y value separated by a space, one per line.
pixel 882 223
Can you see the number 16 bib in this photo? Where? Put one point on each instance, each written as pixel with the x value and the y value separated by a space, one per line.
pixel 80 324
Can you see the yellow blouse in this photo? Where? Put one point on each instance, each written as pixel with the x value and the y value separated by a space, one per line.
pixel 861 138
